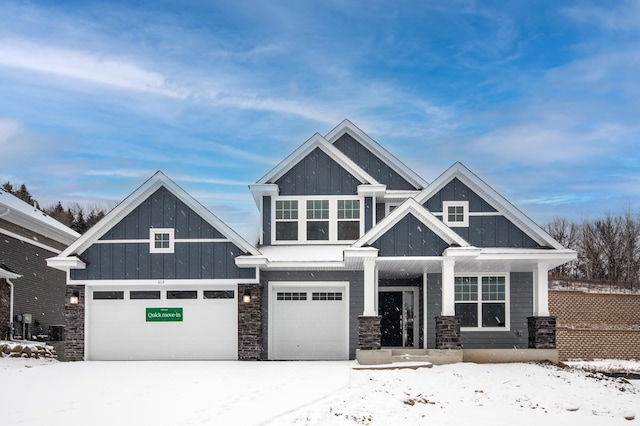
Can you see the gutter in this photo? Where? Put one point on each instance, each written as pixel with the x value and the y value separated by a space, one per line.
pixel 10 334
pixel 6 212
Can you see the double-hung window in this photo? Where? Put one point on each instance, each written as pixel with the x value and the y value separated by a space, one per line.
pixel 286 220
pixel 481 301
pixel 317 220
pixel 348 219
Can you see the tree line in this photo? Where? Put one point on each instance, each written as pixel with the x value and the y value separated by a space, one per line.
pixel 75 216
pixel 608 247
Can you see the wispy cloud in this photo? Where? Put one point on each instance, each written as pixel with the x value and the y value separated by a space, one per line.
pixel 622 17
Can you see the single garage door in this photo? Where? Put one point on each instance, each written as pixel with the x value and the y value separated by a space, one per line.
pixel 147 323
pixel 308 322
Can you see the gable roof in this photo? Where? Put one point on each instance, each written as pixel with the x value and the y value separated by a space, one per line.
pixel 316 141
pixel 23 214
pixel 378 150
pixel 497 201
pixel 143 192
pixel 410 206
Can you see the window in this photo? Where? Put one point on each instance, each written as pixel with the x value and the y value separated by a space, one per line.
pixel 314 219
pixel 108 295
pixel 161 240
pixel 348 219
pixel 144 294
pixel 455 213
pixel 286 220
pixel 481 307
pixel 219 294
pixel 317 220
pixel 182 294
pixel 287 295
pixel 326 296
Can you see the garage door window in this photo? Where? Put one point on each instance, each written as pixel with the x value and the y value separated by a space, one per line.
pixel 108 295
pixel 144 294
pixel 326 296
pixel 182 294
pixel 219 294
pixel 291 295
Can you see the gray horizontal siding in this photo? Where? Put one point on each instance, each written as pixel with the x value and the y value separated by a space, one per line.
pixel 132 261
pixel 162 210
pixel 434 306
pixel 410 237
pixel 356 297
pixel 371 163
pixel 458 191
pixel 318 174
pixel 266 220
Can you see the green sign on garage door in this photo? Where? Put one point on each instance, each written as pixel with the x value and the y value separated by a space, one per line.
pixel 164 314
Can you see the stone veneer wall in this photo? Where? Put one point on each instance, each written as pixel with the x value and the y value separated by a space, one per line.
pixel 250 323
pixel 369 335
pixel 74 331
pixel 542 332
pixel 596 325
pixel 5 302
pixel 448 332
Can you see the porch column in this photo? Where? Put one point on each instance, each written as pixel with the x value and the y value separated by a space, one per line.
pixel 448 287
pixel 370 288
pixel 541 290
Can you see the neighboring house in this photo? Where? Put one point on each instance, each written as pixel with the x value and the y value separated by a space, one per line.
pixel 31 294
pixel 355 251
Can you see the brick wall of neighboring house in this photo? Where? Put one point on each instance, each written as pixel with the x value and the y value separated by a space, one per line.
pixel 5 295
pixel 596 325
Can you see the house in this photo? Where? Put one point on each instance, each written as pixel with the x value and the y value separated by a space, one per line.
pixel 356 251
pixel 31 294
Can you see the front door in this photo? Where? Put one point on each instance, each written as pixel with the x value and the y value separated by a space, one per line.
pixel 399 323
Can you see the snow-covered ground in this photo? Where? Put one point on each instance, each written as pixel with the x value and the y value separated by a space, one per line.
pixel 38 392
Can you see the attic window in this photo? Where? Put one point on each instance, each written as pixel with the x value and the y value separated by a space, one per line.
pixel 455 213
pixel 161 240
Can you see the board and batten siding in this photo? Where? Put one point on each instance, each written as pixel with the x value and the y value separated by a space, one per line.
pixel 521 301
pixel 356 297
pixel 483 231
pixel 318 174
pixel 410 237
pixel 371 163
pixel 121 260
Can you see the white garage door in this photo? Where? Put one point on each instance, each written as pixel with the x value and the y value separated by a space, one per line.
pixel 308 322
pixel 147 323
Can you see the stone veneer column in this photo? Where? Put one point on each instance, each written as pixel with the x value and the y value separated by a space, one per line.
pixel 542 332
pixel 74 330
pixel 369 332
pixel 448 332
pixel 250 323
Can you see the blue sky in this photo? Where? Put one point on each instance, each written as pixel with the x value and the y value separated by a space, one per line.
pixel 540 99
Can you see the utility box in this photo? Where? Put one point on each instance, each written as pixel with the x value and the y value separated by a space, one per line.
pixel 27 318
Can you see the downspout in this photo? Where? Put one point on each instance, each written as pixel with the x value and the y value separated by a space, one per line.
pixel 10 336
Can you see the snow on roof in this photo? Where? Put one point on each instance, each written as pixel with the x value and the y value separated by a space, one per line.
pixel 304 253
pixel 21 213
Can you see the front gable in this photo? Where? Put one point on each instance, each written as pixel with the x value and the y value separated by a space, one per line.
pixel 191 243
pixel 410 237
pixel 318 174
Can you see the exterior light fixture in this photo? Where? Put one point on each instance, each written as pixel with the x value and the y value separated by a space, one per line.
pixel 74 299
pixel 246 297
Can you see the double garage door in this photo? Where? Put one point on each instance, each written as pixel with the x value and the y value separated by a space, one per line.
pixel 161 323
pixel 308 322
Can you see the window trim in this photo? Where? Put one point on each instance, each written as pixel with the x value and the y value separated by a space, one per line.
pixel 480 301
pixel 152 236
pixel 465 214
pixel 303 220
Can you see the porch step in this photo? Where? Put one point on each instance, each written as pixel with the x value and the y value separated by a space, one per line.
pixel 409 355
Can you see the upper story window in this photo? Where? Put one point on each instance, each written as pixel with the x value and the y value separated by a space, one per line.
pixel 286 220
pixel 322 219
pixel 455 213
pixel 161 240
pixel 481 301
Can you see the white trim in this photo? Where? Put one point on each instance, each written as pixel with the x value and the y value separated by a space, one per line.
pixel 175 240
pixel 272 286
pixel 170 232
pixel 174 282
pixel 474 214
pixel 425 299
pixel 465 214
pixel 30 241
pixel 541 290
pixel 480 301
